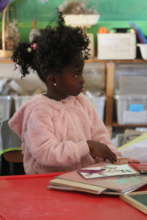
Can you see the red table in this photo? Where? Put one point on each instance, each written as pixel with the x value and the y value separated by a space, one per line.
pixel 26 197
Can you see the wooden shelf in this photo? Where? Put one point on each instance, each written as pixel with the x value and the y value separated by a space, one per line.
pixel 128 125
pixel 94 60
pixel 6 60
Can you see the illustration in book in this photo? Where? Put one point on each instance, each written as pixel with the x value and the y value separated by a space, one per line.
pixel 107 170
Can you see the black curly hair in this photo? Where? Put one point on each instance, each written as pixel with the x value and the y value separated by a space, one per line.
pixel 52 50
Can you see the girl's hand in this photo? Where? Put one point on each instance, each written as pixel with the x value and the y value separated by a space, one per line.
pixel 98 149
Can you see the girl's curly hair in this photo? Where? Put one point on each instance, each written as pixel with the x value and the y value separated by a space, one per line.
pixel 52 50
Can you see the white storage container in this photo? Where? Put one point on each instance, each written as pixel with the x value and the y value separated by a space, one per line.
pixel 100 105
pixel 116 46
pixel 5 107
pixel 143 50
pixel 131 109
pixel 20 100
pixel 98 102
pixel 94 77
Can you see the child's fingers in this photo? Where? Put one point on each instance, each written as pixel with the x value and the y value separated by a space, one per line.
pixel 111 156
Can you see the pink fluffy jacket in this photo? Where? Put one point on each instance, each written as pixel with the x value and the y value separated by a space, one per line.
pixel 54 134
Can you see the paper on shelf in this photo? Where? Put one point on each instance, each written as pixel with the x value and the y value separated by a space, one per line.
pixel 136 149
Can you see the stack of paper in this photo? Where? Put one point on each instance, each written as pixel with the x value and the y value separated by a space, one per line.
pixel 136 148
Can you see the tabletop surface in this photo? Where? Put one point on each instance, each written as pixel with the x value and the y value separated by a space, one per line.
pixel 27 197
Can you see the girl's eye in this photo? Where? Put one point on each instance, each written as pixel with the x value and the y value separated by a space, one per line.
pixel 76 75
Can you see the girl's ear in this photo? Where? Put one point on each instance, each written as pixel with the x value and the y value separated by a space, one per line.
pixel 51 79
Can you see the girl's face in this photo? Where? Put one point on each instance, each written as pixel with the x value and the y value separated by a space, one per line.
pixel 70 82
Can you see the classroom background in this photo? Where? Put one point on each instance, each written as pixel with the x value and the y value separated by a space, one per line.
pixel 113 13
pixel 110 81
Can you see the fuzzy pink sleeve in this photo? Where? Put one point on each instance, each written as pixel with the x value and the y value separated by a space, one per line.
pixel 46 148
pixel 15 123
pixel 99 131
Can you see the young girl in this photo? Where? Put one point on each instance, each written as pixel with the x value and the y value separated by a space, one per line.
pixel 60 130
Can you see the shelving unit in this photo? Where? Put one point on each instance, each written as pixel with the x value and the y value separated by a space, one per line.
pixel 110 69
pixel 4 60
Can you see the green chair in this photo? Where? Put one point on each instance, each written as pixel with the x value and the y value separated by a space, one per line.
pixel 11 152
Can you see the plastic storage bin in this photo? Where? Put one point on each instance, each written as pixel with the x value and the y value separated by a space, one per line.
pixel 5 107
pixel 116 46
pixel 20 100
pixel 98 102
pixel 131 109
pixel 100 105
pixel 143 50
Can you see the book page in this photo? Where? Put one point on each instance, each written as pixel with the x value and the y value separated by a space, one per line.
pixel 107 171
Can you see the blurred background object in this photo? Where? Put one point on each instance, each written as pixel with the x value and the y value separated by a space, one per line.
pixel 10 32
pixel 77 14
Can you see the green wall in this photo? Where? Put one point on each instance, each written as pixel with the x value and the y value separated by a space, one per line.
pixel 114 13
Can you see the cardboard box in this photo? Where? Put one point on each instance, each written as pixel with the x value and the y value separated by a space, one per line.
pixel 116 46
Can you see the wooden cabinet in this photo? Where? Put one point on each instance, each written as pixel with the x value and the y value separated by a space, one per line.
pixel 110 69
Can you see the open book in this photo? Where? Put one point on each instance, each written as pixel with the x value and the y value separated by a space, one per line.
pixel 74 181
